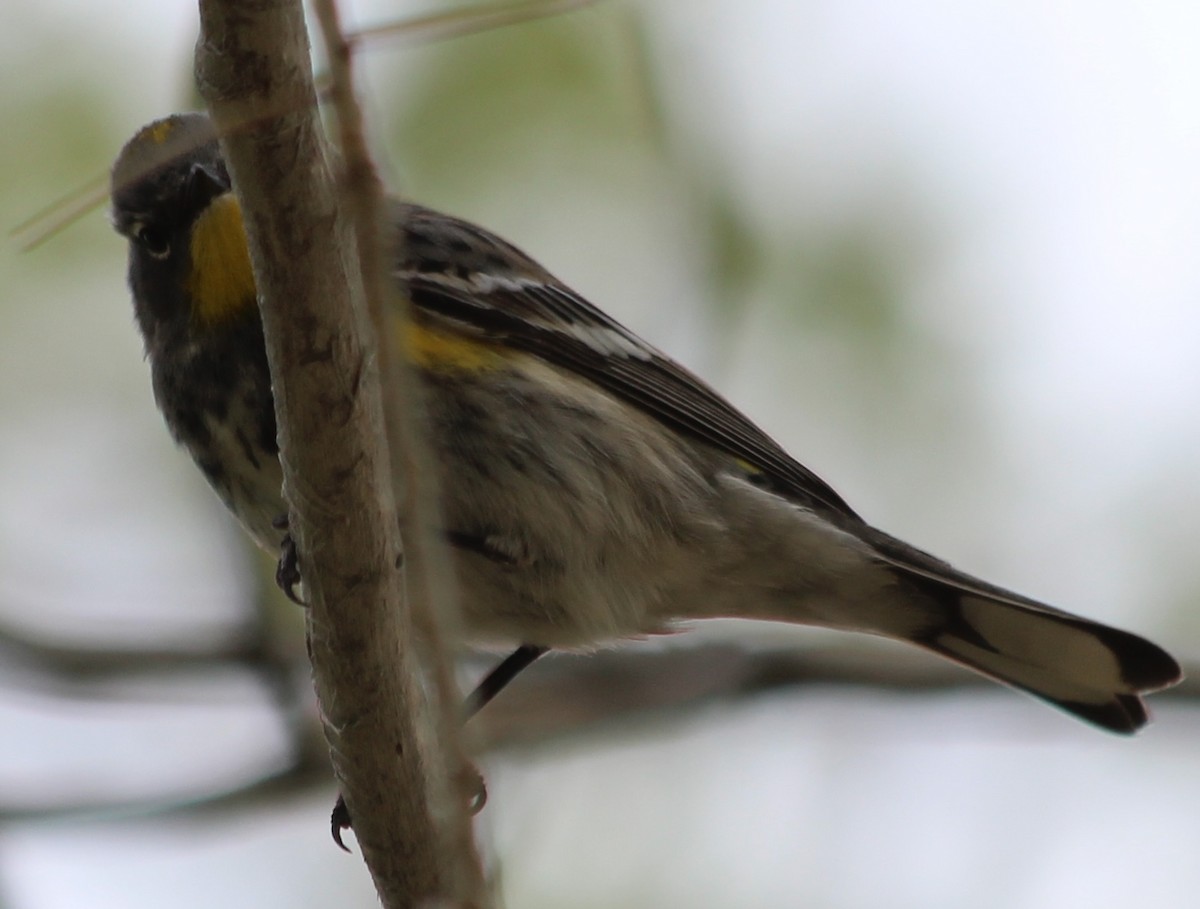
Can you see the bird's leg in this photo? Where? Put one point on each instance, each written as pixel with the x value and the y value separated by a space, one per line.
pixel 503 673
pixel 490 686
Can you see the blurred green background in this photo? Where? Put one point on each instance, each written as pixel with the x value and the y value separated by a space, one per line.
pixel 945 254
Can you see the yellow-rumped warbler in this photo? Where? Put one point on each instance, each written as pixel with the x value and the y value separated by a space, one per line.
pixel 592 488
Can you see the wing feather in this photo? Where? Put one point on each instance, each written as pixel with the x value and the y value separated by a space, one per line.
pixel 501 294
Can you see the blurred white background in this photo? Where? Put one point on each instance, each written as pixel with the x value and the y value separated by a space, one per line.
pixel 946 253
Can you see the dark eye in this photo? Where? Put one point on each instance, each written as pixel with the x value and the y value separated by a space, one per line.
pixel 152 239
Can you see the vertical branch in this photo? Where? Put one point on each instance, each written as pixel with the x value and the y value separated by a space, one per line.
pixel 253 69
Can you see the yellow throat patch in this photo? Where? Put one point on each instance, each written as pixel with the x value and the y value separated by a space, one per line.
pixel 221 281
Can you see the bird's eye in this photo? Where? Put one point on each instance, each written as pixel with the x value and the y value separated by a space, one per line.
pixel 152 239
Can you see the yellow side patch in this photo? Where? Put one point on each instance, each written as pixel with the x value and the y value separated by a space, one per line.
pixel 750 469
pixel 440 351
pixel 221 282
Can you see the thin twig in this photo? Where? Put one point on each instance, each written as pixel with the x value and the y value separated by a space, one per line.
pixel 51 220
pixel 431 591
pixel 468 20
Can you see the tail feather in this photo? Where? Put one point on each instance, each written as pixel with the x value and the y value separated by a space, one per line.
pixel 1090 670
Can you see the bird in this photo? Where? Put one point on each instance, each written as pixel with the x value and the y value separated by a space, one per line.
pixel 593 489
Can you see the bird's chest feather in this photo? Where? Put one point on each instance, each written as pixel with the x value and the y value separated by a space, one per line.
pixel 217 403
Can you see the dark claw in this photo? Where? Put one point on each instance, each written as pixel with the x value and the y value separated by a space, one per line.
pixel 339 820
pixel 492 683
pixel 287 572
pixel 480 796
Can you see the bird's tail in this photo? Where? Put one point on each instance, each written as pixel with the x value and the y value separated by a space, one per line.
pixel 1095 672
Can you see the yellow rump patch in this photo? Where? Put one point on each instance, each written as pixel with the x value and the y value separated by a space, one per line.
pixel 221 282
